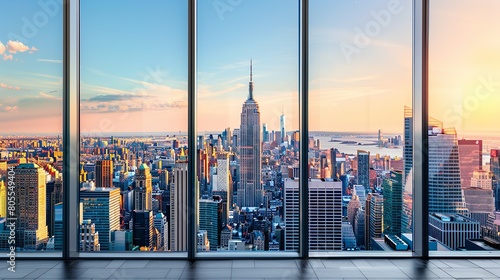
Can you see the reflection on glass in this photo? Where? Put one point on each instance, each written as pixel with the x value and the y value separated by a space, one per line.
pixel 247 123
pixel 31 120
pixel 463 141
pixel 359 146
pixel 133 105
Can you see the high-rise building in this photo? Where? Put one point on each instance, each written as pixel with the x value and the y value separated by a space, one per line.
pixel 104 173
pixel 161 224
pixel 209 220
pixel 352 209
pixel 30 206
pixel 470 156
pixel 250 189
pixel 142 230
pixel 408 143
pixel 102 207
pixel 495 171
pixel 178 207
pixel 325 215
pixel 359 227
pixel 283 126
pixel 376 220
pixel 445 193
pixel 89 238
pixel 453 230
pixel 143 188
pixel 393 203
pixel 479 197
pixel 3 200
pixel 333 163
pixel 265 133
pixel 364 169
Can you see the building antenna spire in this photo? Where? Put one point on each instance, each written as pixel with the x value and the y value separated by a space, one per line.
pixel 250 84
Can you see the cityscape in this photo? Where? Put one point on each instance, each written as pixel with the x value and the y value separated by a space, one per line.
pixel 133 190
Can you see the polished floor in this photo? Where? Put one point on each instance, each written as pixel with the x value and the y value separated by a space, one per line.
pixel 256 269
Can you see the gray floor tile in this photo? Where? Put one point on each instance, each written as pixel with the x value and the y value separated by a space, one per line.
pixel 419 272
pixel 18 274
pixel 134 264
pixel 243 264
pixel 260 273
pixel 134 273
pixel 485 263
pixel 166 264
pixel 90 264
pixel 310 263
pixel 373 263
pixel 37 263
pixel 202 273
pixel 223 264
pixel 275 264
pixel 99 273
pixel 469 272
pixel 455 263
pixel 338 263
pixel 495 271
pixel 339 272
pixel 383 273
pixel 175 273
pixel 63 273
pixel 115 264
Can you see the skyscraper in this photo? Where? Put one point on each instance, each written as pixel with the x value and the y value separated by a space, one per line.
pixel 325 215
pixel 102 207
pixel 408 143
pixel 250 193
pixel 178 207
pixel 3 200
pixel 445 193
pixel 376 220
pixel 32 227
pixel 333 163
pixel 393 203
pixel 364 169
pixel 143 188
pixel 210 220
pixel 283 126
pixel 104 173
pixel 470 155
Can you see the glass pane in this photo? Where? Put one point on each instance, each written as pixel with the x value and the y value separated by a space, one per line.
pixel 247 120
pixel 464 137
pixel 359 93
pixel 31 40
pixel 133 125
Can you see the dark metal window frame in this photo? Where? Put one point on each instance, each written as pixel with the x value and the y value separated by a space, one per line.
pixel 71 138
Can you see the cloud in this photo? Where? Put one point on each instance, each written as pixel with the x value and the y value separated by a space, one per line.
pixel 16 46
pixel 2 48
pixel 7 57
pixel 112 98
pixel 50 60
pixel 10 109
pixel 45 95
pixel 2 85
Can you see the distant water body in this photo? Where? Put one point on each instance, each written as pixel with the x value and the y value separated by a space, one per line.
pixel 367 144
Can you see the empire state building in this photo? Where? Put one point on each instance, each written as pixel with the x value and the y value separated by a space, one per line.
pixel 250 188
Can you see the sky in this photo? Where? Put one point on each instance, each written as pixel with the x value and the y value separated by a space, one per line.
pixel 134 64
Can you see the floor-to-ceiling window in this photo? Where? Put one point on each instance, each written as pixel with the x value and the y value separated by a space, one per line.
pixel 463 129
pixel 360 126
pixel 247 126
pixel 133 126
pixel 31 53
